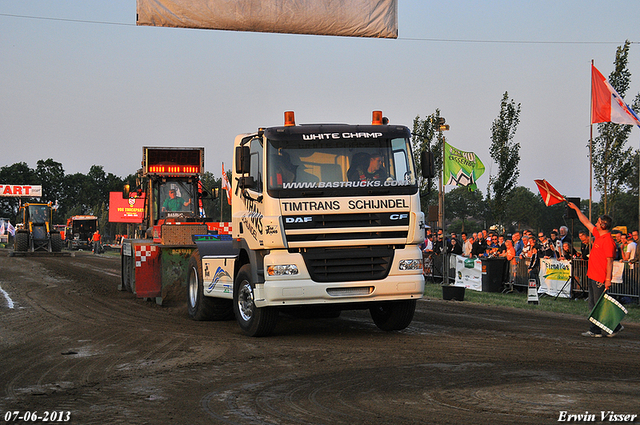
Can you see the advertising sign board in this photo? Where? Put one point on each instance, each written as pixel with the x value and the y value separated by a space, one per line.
pixel 129 210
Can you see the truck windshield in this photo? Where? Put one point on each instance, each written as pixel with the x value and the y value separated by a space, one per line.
pixel 176 199
pixel 340 166
pixel 38 214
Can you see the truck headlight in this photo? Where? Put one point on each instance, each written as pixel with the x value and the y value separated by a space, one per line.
pixel 410 265
pixel 282 270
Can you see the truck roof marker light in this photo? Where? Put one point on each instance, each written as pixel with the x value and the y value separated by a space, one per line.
pixel 377 118
pixel 289 119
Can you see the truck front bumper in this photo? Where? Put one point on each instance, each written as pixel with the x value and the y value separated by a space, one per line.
pixel 300 289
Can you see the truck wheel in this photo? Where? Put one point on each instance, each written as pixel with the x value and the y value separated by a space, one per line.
pixel 254 321
pixel 56 242
pixel 201 307
pixel 393 315
pixel 21 243
pixel 126 265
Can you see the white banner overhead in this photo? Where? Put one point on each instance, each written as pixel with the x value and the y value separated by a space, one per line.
pixel 350 18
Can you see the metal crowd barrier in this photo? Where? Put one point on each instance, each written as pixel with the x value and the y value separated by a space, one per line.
pixel 432 267
pixel 579 286
pixel 522 274
pixel 630 286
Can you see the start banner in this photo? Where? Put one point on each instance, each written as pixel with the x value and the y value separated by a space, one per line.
pixel 128 210
pixel 21 190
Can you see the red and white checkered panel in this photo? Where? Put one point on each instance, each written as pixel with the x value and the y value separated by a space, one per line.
pixel 223 227
pixel 143 252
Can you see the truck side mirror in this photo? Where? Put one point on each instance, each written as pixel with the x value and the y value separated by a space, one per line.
pixel 428 165
pixel 243 159
pixel 126 191
pixel 246 182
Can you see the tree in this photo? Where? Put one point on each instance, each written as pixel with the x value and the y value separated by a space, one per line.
pixel 631 181
pixel 506 153
pixel 524 209
pixel 463 204
pixel 50 175
pixel 75 194
pixel 79 194
pixel 625 211
pixel 612 160
pixel 18 173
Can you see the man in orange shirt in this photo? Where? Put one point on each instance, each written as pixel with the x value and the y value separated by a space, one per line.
pixel 96 242
pixel 600 266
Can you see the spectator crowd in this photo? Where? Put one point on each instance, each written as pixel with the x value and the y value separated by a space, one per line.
pixel 526 246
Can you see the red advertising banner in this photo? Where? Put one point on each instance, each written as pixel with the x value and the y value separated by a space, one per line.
pixel 125 210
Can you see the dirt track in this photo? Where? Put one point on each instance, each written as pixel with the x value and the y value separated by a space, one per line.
pixel 72 342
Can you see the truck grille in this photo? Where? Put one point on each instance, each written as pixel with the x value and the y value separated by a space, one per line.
pixel 346 236
pixel 344 220
pixel 348 264
pixel 392 227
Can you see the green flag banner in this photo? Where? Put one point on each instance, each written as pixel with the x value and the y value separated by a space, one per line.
pixel 607 313
pixel 461 168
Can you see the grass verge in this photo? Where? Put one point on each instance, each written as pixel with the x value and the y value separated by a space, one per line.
pixel 519 300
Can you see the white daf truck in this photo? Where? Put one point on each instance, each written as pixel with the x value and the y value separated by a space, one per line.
pixel 325 217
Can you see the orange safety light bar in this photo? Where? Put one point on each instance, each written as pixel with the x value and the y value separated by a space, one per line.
pixel 173 161
pixel 174 169
pixel 289 119
pixel 377 118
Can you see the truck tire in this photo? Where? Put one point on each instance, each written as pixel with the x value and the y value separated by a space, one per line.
pixel 201 307
pixel 254 321
pixel 21 242
pixel 393 315
pixel 56 242
pixel 126 266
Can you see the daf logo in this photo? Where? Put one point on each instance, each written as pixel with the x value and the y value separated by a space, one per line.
pixel 298 219
pixel 398 216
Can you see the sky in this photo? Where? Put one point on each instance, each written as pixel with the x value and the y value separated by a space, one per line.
pixel 82 84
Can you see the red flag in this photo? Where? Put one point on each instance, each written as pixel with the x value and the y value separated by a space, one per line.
pixel 606 103
pixel 550 196
pixel 226 185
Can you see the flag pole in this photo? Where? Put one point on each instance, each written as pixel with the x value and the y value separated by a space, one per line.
pixel 441 192
pixel 221 194
pixel 591 146
pixel 445 269
pixel 590 168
